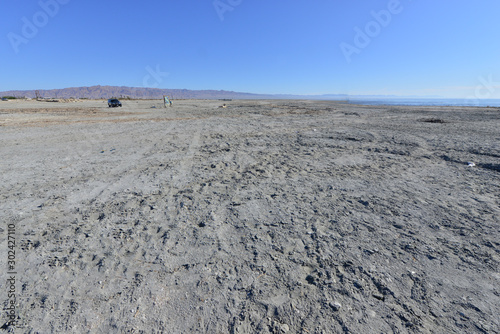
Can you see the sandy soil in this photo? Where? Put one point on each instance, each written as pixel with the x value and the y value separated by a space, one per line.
pixel 262 217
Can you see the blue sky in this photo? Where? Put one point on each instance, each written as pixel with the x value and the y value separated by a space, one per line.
pixel 405 47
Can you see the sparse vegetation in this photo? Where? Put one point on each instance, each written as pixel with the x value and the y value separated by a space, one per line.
pixel 433 120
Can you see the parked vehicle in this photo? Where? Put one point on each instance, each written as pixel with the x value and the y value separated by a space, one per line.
pixel 114 103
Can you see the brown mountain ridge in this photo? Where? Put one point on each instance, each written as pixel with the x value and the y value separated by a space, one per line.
pixel 104 92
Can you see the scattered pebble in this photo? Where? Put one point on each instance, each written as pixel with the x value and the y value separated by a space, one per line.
pixel 335 305
pixel 285 328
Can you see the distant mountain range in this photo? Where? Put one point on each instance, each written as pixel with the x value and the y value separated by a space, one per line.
pixel 105 92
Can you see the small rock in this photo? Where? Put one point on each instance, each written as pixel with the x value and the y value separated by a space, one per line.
pixel 285 328
pixel 365 203
pixel 358 285
pixel 335 305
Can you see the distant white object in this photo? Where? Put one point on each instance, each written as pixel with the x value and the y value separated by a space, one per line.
pixel 471 164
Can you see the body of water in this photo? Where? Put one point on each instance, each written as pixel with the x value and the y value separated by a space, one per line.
pixel 426 102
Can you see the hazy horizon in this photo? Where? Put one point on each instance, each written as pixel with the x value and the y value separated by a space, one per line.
pixel 106 91
pixel 215 89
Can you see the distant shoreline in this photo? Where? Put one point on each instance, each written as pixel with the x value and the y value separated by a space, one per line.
pixel 428 102
pixel 145 93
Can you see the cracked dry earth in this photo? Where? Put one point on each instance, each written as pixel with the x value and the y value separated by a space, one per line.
pixel 262 217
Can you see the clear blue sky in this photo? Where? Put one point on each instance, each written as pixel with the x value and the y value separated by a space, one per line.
pixel 423 47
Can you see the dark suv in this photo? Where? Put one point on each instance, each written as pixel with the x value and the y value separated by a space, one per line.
pixel 114 103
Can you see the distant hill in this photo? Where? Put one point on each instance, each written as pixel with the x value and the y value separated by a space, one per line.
pixel 105 92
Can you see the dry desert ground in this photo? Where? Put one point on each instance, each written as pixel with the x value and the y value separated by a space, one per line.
pixel 262 217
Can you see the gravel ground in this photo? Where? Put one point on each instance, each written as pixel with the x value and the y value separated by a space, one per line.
pixel 260 217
